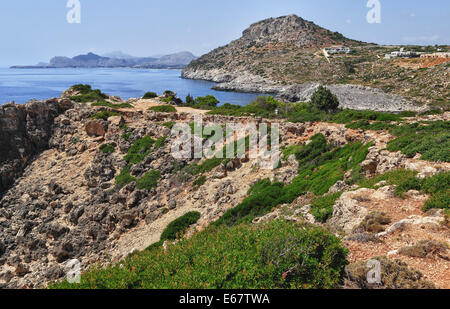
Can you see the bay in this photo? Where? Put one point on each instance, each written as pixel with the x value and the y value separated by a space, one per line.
pixel 21 85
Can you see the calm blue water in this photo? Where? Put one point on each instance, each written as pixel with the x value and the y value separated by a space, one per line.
pixel 21 85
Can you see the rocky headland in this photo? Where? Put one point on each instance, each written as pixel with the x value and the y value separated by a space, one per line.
pixel 284 56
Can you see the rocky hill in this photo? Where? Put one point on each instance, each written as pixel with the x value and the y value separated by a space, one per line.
pixel 97 182
pixel 275 54
pixel 91 60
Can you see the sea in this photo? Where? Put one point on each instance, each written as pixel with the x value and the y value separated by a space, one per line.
pixel 21 85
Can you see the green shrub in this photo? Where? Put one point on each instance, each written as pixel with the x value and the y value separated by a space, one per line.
pixel 439 200
pixel 291 150
pixel 160 142
pixel 437 186
pixel 169 124
pixel 177 229
pixel 107 148
pixel 432 112
pixel 189 100
pixel 322 207
pixel 278 255
pixel 366 125
pixel 139 150
pixel 324 100
pixel 167 99
pixel 149 180
pixel 126 136
pixel 104 115
pixel 394 177
pixel 124 177
pixel 83 89
pixel 200 181
pixel 437 183
pixel 163 109
pixel 264 196
pixel 150 95
pixel 87 94
pixel 411 183
pixel 169 93
pixel 320 167
pixel 206 102
pixel 431 140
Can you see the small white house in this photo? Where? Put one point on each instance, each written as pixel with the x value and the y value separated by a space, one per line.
pixel 401 54
pixel 338 50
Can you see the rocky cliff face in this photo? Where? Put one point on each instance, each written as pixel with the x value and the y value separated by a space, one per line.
pixel 25 131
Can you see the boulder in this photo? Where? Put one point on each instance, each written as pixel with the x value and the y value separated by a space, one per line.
pixel 348 213
pixel 95 128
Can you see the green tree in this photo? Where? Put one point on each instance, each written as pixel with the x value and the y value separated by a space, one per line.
pixel 208 101
pixel 324 100
pixel 190 100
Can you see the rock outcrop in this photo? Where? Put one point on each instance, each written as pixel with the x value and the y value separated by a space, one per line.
pixel 25 131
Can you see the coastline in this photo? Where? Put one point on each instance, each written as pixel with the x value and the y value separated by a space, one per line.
pixel 357 97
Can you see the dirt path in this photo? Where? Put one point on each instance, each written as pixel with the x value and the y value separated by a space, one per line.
pixel 145 104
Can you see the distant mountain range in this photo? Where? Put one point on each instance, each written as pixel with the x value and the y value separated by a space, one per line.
pixel 117 60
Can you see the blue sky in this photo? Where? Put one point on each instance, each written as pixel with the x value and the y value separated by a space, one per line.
pixel 34 31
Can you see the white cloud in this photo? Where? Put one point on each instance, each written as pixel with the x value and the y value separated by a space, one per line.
pixel 412 15
pixel 348 21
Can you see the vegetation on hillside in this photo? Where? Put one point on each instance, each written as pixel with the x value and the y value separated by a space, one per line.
pixel 321 165
pixel 87 94
pixel 431 140
pixel 150 95
pixel 163 109
pixel 104 115
pixel 438 186
pixel 276 255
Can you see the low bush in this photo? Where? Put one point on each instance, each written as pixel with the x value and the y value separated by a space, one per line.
pixel 431 140
pixel 139 150
pixel 322 207
pixel 439 200
pixel 395 274
pixel 104 115
pixel 169 124
pixel 163 109
pixel 373 223
pixel 107 148
pixel 437 186
pixel 124 177
pixel 149 180
pixel 150 95
pixel 200 181
pixel 83 89
pixel 160 142
pixel 87 94
pixel 423 248
pixel 176 229
pixel 277 255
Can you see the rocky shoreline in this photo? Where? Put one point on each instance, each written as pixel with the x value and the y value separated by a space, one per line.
pixel 350 96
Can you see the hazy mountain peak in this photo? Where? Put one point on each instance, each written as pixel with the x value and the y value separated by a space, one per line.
pixel 118 55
